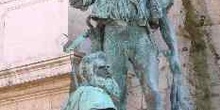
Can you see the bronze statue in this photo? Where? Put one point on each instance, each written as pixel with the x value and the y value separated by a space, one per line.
pixel 123 32
pixel 97 89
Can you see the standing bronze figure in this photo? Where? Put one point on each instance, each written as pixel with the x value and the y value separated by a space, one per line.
pixel 123 32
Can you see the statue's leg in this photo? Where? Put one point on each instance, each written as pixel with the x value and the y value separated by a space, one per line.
pixel 117 61
pixel 146 62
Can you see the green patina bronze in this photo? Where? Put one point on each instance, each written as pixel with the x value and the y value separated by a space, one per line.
pixel 123 32
pixel 97 88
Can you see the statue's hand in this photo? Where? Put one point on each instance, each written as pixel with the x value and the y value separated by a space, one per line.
pixel 174 62
pixel 176 94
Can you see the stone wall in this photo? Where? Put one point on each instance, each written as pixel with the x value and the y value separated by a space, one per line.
pixel 33 68
pixel 45 94
pixel 31 30
pixel 40 85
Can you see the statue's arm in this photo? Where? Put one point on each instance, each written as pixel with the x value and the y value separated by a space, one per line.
pixel 168 34
pixel 169 37
pixel 81 4
pixel 176 95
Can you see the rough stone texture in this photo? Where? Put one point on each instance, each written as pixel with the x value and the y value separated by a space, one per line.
pixel 37 86
pixel 46 94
